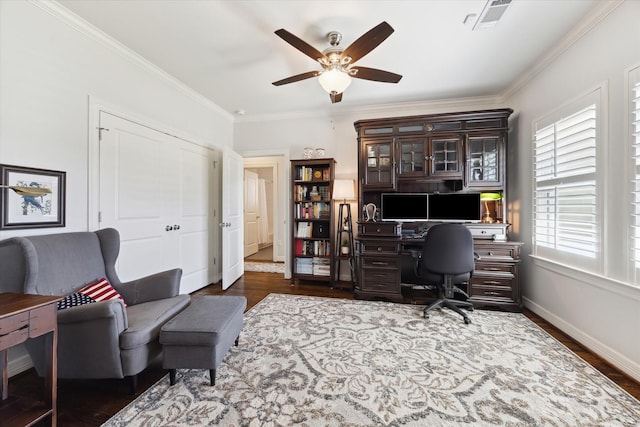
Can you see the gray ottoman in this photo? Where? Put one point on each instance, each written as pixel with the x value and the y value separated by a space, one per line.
pixel 200 336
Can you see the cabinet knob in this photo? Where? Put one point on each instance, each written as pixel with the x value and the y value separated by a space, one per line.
pixel 176 227
pixel 379 249
pixel 168 228
pixel 378 230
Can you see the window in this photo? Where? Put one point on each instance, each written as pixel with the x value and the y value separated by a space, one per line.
pixel 634 131
pixel 566 223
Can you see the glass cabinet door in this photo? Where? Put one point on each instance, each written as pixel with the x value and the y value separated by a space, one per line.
pixel 484 153
pixel 446 155
pixel 412 157
pixel 379 164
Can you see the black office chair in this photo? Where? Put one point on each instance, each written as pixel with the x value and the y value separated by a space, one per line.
pixel 447 260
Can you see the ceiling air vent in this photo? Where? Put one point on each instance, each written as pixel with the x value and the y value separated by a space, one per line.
pixel 491 14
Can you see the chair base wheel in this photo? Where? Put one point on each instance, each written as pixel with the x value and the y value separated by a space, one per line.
pixel 467 321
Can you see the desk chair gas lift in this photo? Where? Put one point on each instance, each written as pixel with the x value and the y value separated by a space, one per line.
pixel 447 261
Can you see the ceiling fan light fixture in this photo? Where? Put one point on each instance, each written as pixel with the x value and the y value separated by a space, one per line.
pixel 334 80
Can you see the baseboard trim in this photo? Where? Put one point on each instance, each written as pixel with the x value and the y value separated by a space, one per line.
pixel 19 364
pixel 618 360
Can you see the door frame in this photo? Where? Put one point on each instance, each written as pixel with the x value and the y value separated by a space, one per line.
pixel 282 196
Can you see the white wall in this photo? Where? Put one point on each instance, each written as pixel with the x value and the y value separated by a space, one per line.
pixel 51 63
pixel 601 312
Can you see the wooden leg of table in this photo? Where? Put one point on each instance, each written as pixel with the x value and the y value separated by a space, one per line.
pixel 4 387
pixel 51 374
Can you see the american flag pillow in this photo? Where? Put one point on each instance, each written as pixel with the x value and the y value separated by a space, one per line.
pixel 101 290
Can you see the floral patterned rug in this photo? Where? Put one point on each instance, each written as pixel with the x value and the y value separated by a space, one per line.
pixel 313 361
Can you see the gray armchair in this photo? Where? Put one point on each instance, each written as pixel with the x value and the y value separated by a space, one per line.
pixel 102 339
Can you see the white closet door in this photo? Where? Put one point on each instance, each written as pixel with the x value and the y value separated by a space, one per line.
pixel 195 164
pixel 154 189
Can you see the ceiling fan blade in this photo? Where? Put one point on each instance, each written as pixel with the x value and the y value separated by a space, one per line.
pixel 374 74
pixel 335 97
pixel 300 44
pixel 297 78
pixel 368 41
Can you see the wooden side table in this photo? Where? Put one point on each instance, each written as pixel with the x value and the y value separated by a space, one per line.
pixel 25 316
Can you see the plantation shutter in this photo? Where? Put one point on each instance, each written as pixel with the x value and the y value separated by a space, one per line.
pixel 565 199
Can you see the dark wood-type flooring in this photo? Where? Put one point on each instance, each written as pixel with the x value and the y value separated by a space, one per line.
pixel 92 402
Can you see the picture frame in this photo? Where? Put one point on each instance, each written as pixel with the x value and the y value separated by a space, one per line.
pixel 31 198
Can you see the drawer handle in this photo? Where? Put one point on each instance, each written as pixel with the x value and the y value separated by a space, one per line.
pixel 492 269
pixel 490 253
pixel 491 282
pixel 492 293
pixel 378 230
pixel 379 263
pixel 379 248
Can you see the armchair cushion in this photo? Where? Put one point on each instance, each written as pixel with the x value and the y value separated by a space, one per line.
pixel 146 319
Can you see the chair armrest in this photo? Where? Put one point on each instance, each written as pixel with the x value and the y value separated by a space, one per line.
pixel 157 286
pixel 96 312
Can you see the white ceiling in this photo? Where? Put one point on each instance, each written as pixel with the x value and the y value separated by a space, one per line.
pixel 228 52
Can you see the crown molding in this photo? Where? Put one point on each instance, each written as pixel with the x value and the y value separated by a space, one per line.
pixel 77 23
pixel 398 108
pixel 592 19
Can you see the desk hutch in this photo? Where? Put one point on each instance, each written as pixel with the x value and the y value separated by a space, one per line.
pixel 438 153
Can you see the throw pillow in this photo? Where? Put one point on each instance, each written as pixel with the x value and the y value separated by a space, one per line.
pixel 74 300
pixel 101 290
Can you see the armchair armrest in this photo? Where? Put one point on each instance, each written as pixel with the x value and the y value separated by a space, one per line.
pixel 96 312
pixel 157 286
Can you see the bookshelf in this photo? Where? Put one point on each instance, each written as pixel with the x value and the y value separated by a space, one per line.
pixel 312 235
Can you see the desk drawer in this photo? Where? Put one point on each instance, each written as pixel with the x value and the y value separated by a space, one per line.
pixel 491 288
pixel 42 320
pixel 379 247
pixel 497 251
pixel 13 323
pixel 379 262
pixel 380 280
pixel 14 338
pixel 386 229
pixel 504 269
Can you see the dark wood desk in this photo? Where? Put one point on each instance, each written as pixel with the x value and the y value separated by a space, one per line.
pixel 385 262
pixel 21 317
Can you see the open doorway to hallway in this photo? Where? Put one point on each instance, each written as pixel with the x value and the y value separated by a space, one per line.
pixel 265 215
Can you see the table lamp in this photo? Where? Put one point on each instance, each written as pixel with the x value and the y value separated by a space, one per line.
pixel 487 198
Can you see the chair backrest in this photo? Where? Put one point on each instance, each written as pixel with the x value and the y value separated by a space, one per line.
pixel 448 249
pixel 60 264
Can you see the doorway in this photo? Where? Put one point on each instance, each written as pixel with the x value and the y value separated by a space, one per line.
pixel 266 214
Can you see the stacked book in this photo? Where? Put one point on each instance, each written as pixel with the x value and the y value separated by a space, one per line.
pixel 321 266
pixel 304 265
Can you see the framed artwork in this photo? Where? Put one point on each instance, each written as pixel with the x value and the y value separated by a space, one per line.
pixel 31 198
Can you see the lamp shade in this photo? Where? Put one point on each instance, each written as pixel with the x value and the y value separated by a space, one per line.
pixel 487 197
pixel 334 80
pixel 343 189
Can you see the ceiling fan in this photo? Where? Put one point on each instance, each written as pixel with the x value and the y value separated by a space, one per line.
pixel 337 63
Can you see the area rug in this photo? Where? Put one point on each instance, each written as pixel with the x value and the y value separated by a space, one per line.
pixel 264 267
pixel 312 361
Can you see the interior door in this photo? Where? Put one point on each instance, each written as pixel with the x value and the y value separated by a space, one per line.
pixel 154 189
pixel 232 218
pixel 137 195
pixel 251 215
